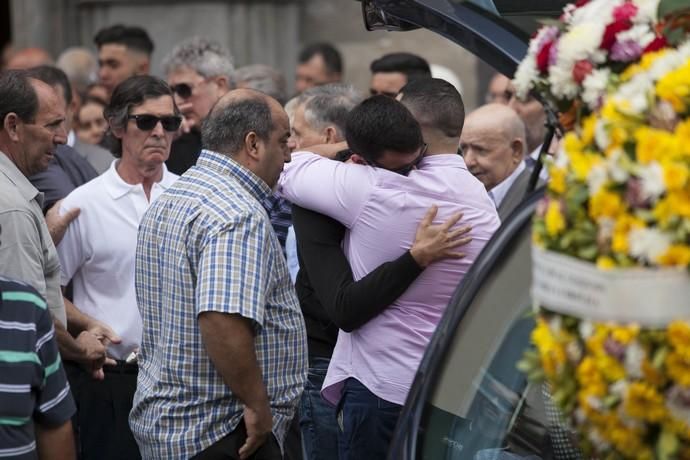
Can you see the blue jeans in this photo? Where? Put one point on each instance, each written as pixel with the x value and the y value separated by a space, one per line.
pixel 367 423
pixel 317 419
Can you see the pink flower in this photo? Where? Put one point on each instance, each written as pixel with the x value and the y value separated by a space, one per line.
pixel 658 43
pixel 543 57
pixel 624 12
pixel 581 69
pixel 580 3
pixel 611 31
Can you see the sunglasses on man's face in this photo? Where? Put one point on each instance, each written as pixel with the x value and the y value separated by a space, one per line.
pixel 183 90
pixel 146 122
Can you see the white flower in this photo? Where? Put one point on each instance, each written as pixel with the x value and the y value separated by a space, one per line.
pixel 616 170
pixel 556 324
pixel 633 359
pixel 647 10
pixel 601 135
pixel 525 74
pixel 595 11
pixel 594 86
pixel 633 96
pixel 619 388
pixel 580 42
pixel 586 329
pixel 574 351
pixel 648 243
pixel 597 439
pixel 596 178
pixel 677 403
pixel 641 34
pixel 652 177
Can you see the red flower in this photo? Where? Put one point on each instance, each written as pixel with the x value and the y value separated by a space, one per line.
pixel 658 43
pixel 624 12
pixel 543 57
pixel 581 70
pixel 611 31
pixel 580 3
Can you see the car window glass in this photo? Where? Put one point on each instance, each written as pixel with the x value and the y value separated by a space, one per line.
pixel 482 407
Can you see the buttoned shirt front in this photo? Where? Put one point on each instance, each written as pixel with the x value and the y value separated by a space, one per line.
pixel 98 249
pixel 498 193
pixel 382 210
pixel 27 252
pixel 207 245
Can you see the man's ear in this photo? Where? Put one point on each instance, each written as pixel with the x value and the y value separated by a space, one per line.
pixel 223 83
pixel 143 66
pixel 517 146
pixel 357 159
pixel 331 135
pixel 11 126
pixel 251 145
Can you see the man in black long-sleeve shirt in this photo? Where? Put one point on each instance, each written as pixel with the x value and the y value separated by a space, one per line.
pixel 329 296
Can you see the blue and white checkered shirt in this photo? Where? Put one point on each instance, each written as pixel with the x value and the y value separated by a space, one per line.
pixel 207 245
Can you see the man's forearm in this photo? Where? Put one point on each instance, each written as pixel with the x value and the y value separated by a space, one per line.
pixel 229 341
pixel 69 348
pixel 76 320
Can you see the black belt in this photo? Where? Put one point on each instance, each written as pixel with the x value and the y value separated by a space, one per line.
pixel 121 367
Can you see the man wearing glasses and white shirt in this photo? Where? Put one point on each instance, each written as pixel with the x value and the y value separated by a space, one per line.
pixel 98 250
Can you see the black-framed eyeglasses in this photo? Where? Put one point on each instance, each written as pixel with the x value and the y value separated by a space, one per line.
pixel 147 122
pixel 405 170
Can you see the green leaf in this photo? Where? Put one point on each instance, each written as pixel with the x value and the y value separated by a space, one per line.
pixel 667 445
pixel 667 7
pixel 659 357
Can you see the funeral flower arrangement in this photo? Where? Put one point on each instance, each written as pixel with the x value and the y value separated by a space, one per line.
pixel 575 58
pixel 612 252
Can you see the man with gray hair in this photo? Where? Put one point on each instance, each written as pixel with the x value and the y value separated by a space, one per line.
pixel 262 78
pixel 223 359
pixel 199 71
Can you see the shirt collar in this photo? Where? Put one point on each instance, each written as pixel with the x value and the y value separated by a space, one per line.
pixel 71 138
pixel 117 187
pixel 498 193
pixel 225 165
pixel 10 170
pixel 443 159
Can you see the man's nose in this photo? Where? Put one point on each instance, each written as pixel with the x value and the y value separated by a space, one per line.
pixel 158 129
pixel 61 134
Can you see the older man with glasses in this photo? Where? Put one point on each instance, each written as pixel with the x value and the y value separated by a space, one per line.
pixel 98 250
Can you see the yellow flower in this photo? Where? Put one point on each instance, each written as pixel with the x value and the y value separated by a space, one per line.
pixel 588 127
pixel 644 402
pixel 682 133
pixel 554 221
pixel 557 180
pixel 652 375
pixel 675 174
pixel 572 143
pixel 605 203
pixel 679 337
pixel 677 255
pixel 626 439
pixel 551 352
pixel 589 377
pixel 605 263
pixel 621 229
pixel 654 144
pixel 610 367
pixel 625 334
pixel 676 203
pixel 645 63
pixel 678 368
pixel 674 87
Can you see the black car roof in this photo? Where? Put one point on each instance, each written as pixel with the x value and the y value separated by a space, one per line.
pixel 496 31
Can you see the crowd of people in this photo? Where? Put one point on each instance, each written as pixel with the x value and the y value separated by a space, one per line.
pixel 204 267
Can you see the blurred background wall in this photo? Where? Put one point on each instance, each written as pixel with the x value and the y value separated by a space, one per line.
pixel 260 31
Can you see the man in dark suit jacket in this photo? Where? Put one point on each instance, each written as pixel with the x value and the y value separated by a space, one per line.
pixel 493 146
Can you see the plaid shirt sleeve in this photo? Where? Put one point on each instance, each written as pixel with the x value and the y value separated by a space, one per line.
pixel 233 270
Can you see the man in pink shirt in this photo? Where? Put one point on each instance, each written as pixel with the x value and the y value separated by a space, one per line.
pixel 381 201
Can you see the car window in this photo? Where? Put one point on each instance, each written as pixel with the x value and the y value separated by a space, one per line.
pixel 526 15
pixel 481 407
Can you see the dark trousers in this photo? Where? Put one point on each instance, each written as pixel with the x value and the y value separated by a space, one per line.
pixel 228 448
pixel 103 408
pixel 367 423
pixel 317 418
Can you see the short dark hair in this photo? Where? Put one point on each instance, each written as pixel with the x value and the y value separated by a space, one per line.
pixel 130 93
pixel 17 95
pixel 381 123
pixel 225 128
pixel 132 37
pixel 411 65
pixel 435 103
pixel 53 77
pixel 331 56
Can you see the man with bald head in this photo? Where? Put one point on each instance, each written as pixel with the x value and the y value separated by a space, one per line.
pixel 493 146
pixel 28 58
pixel 223 357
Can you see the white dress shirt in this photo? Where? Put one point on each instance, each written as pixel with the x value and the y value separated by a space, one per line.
pixel 98 251
pixel 498 193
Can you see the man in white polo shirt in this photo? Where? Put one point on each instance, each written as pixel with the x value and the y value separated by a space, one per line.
pixel 493 146
pixel 98 250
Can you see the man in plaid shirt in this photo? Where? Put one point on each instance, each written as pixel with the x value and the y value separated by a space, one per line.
pixel 223 356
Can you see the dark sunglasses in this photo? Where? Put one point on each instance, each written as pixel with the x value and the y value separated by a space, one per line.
pixel 182 89
pixel 146 122
pixel 405 170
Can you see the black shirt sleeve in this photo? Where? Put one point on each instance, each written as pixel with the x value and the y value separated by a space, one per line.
pixel 349 304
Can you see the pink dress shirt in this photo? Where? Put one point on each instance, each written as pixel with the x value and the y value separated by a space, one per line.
pixel 381 210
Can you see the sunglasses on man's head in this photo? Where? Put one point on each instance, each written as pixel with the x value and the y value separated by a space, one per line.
pixel 146 122
pixel 406 169
pixel 182 89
